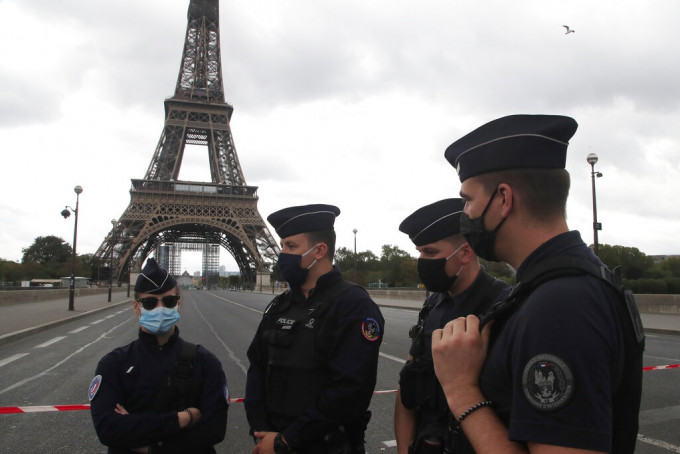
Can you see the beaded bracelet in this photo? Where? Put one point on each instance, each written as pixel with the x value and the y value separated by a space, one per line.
pixel 475 407
pixel 191 416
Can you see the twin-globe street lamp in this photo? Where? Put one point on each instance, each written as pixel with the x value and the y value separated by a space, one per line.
pixel 66 213
pixel 592 159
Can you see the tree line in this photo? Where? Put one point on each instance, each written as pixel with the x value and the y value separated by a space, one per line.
pixel 49 257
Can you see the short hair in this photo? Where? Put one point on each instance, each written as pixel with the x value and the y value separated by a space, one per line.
pixel 323 236
pixel 544 191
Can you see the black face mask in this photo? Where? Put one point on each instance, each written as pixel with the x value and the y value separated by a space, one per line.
pixel 481 240
pixel 432 272
pixel 289 266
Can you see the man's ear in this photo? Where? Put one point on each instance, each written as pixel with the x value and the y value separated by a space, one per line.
pixel 321 251
pixel 466 254
pixel 506 196
pixel 135 307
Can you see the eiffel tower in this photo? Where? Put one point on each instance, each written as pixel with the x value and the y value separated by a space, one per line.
pixel 166 213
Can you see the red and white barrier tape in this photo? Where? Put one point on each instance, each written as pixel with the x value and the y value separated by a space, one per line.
pixel 44 408
pixel 670 366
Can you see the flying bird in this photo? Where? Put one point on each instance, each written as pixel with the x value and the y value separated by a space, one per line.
pixel 569 30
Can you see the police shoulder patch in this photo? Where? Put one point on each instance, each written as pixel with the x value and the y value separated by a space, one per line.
pixel 95 384
pixel 547 382
pixel 370 329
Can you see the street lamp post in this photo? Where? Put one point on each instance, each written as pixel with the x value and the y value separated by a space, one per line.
pixel 66 213
pixel 355 254
pixel 111 244
pixel 592 159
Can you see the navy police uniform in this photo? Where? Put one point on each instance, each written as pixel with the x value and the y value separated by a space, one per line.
pixel 131 376
pixel 418 384
pixel 153 383
pixel 552 370
pixel 564 365
pixel 313 362
pixel 419 388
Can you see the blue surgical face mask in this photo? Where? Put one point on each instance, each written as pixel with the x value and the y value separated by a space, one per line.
pixel 159 320
pixel 289 266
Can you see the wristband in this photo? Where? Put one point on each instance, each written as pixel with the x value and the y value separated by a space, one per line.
pixel 475 407
pixel 191 416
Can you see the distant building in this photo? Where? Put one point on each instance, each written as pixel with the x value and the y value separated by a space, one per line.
pixel 185 281
pixel 80 282
pixel 661 258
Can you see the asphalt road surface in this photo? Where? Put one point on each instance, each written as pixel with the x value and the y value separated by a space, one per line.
pixel 54 367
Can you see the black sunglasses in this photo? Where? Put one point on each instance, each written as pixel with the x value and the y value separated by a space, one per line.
pixel 150 302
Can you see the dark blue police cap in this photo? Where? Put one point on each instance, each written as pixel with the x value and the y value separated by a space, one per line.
pixel 433 222
pixel 302 219
pixel 154 279
pixel 513 142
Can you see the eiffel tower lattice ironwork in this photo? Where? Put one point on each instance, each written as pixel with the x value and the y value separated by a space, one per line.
pixel 164 210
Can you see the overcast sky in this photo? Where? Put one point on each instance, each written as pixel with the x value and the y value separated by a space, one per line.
pixel 346 102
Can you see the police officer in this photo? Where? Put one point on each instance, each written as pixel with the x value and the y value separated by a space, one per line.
pixel 563 363
pixel 314 357
pixel 450 269
pixel 159 394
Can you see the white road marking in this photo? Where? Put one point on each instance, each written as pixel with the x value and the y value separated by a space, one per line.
pixel 12 358
pixel 232 355
pixel 390 443
pixel 51 368
pixel 77 330
pixel 658 443
pixel 50 342
pixel 237 304
pixel 393 358
pixel 98 321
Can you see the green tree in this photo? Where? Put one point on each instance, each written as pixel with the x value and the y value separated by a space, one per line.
pixel 345 259
pixel 500 270
pixel 634 264
pixel 10 272
pixel 47 249
pixel 671 266
pixel 394 264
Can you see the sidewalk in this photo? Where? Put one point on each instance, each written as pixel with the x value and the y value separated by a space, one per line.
pixel 23 319
pixel 18 320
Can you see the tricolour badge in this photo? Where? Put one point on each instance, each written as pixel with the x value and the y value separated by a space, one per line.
pixel 95 384
pixel 370 329
pixel 547 382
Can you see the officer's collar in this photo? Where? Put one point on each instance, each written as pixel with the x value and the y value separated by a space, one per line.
pixel 325 281
pixel 567 243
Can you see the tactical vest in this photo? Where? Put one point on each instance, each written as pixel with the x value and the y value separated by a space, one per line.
pixel 297 374
pixel 418 383
pixel 629 374
pixel 178 390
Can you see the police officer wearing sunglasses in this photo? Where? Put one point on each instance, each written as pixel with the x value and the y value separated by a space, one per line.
pixel 159 393
pixel 449 268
